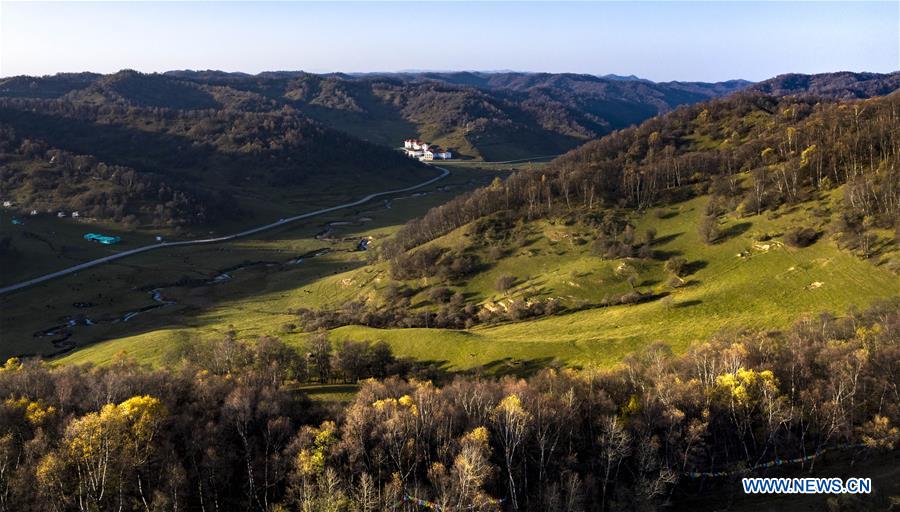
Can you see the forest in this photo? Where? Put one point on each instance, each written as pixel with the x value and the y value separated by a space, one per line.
pixel 164 167
pixel 226 426
pixel 750 151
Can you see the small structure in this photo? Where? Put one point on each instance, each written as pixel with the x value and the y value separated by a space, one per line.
pixel 425 151
pixel 103 239
pixel 34 212
pixel 7 204
pixel 436 153
pixel 60 215
pixel 75 215
pixel 17 222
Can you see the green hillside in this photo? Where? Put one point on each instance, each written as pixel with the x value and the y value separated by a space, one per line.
pixel 734 214
pixel 738 283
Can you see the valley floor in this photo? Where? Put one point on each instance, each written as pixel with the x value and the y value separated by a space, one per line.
pixel 735 284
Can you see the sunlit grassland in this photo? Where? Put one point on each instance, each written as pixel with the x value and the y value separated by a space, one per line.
pixel 738 283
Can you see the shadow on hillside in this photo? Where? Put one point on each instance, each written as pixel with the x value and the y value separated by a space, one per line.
pixel 190 273
pixel 664 255
pixel 733 231
pixel 665 239
pixel 515 367
pixel 668 214
pixel 694 266
pixel 688 303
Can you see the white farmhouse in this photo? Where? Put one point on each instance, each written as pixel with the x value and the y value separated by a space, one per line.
pixel 435 153
pixel 415 148
pixel 413 144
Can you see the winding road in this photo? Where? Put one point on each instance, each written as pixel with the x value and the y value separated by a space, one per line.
pixel 278 223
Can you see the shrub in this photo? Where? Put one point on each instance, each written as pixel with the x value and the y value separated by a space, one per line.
pixel 675 282
pixel 505 282
pixel 708 229
pixel 495 253
pixel 440 295
pixel 676 265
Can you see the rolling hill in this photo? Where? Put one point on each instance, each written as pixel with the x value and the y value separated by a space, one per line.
pixel 732 214
pixel 130 144
pixel 491 116
pixel 842 85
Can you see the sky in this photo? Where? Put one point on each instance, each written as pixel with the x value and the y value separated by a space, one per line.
pixel 701 41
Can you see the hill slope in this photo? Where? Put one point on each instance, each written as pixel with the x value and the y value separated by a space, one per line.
pixel 494 116
pixel 721 216
pixel 190 150
pixel 843 85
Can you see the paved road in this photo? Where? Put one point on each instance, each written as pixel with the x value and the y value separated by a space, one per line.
pixel 505 161
pixel 280 222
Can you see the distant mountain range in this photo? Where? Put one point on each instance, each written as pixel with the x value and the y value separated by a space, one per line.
pixel 843 85
pixel 198 138
pixel 495 116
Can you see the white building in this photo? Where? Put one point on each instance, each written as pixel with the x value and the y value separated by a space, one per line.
pixel 424 151
pixel 7 204
pixel 436 153
pixel 75 214
pixel 60 214
pixel 34 212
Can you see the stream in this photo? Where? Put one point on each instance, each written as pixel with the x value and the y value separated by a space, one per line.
pixel 62 333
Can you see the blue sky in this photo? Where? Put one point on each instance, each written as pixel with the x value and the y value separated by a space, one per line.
pixel 662 41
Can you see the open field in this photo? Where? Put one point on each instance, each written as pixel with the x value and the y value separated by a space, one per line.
pixel 45 244
pixel 107 294
pixel 736 283
pixel 497 166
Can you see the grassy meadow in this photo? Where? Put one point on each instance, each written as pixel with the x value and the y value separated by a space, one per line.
pixel 736 283
pixel 112 290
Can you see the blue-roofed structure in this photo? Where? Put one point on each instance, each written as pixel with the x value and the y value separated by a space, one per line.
pixel 103 239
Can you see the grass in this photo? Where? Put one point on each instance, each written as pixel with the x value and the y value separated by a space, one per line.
pixel 123 286
pixel 330 392
pixel 46 244
pixel 768 287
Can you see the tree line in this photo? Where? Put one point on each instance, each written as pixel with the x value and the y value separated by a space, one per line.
pixel 49 179
pixel 225 426
pixel 757 151
pixel 165 166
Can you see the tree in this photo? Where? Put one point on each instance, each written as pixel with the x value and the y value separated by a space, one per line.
pixel 512 422
pixel 351 360
pixel 708 228
pixel 440 295
pixel 107 449
pixel 615 446
pixel 504 283
pixel 472 469
pixel 320 354
pixel 676 265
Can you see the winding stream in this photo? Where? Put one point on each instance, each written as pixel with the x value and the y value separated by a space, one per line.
pixel 62 333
